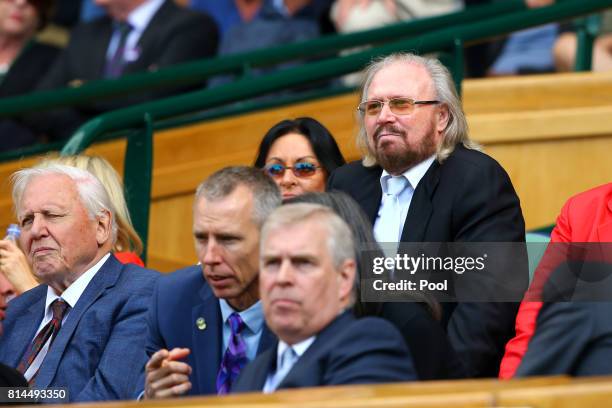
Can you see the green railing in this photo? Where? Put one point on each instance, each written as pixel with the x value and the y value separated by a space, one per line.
pixel 196 72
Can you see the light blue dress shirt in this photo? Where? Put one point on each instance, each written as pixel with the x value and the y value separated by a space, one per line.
pixel 253 319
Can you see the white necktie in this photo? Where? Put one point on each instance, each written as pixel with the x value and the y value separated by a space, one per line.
pixel 389 222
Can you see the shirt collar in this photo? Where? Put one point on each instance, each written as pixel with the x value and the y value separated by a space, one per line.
pixel 73 292
pixel 299 348
pixel 140 17
pixel 252 317
pixel 413 174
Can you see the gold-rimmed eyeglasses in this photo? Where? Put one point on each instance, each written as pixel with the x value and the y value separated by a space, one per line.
pixel 399 106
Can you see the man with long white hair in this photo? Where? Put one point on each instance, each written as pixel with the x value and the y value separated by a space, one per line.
pixel 422 179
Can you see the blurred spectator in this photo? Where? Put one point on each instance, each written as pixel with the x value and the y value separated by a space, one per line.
pixel 23 60
pixel 566 45
pixel 526 52
pixel 229 13
pixel 299 155
pixel 90 11
pixel 136 36
pixel 357 15
pixel 481 57
pixel 278 22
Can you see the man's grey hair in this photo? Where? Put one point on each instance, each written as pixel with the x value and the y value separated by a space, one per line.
pixel 340 241
pixel 266 195
pixel 92 193
pixel 457 128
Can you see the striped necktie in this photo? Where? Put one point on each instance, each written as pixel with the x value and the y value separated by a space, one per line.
pixel 49 331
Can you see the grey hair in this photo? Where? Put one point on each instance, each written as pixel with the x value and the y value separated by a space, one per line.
pixel 340 241
pixel 456 130
pixel 92 193
pixel 266 195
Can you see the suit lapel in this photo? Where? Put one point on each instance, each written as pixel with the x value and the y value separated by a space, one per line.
pixel 206 345
pixel 421 206
pixel 369 194
pixel 98 49
pixel 267 339
pixel 295 375
pixel 147 41
pixel 262 367
pixel 24 330
pixel 105 278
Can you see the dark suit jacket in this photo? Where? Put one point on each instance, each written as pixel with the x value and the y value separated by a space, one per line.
pixel 174 35
pixel 22 77
pixel 9 377
pixel 469 198
pixel 180 299
pixel 347 351
pixel 434 357
pixel 99 352
pixel 572 338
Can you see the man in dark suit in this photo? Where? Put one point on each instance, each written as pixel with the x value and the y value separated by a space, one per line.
pixel 573 338
pixel 196 310
pixel 307 281
pixel 83 328
pixel 136 36
pixel 437 185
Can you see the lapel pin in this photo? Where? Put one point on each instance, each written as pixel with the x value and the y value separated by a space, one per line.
pixel 201 323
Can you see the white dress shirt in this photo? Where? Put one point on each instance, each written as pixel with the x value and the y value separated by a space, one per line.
pixel 71 296
pixel 414 176
pixel 139 20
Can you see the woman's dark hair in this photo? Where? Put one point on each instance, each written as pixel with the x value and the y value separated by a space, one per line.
pixel 323 143
pixel 360 225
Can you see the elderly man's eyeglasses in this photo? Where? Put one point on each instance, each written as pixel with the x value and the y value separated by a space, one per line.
pixel 300 169
pixel 399 106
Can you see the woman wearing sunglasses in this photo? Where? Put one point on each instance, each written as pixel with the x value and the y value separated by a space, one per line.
pixel 299 155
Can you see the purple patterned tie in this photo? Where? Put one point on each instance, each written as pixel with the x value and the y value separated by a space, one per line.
pixel 59 307
pixel 115 64
pixel 234 358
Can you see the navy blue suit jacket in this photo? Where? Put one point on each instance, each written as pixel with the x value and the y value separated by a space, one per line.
pixel 347 351
pixel 572 338
pixel 98 353
pixel 179 300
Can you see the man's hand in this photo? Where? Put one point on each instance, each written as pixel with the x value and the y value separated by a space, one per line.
pixel 165 376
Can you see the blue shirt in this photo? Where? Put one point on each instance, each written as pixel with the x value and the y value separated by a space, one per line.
pixel 253 319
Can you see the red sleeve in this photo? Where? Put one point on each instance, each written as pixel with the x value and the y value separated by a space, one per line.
pixel 528 311
pixel 129 257
pixel 517 346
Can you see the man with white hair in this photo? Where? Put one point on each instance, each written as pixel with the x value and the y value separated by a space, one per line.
pixel 84 327
pixel 422 179
pixel 307 275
